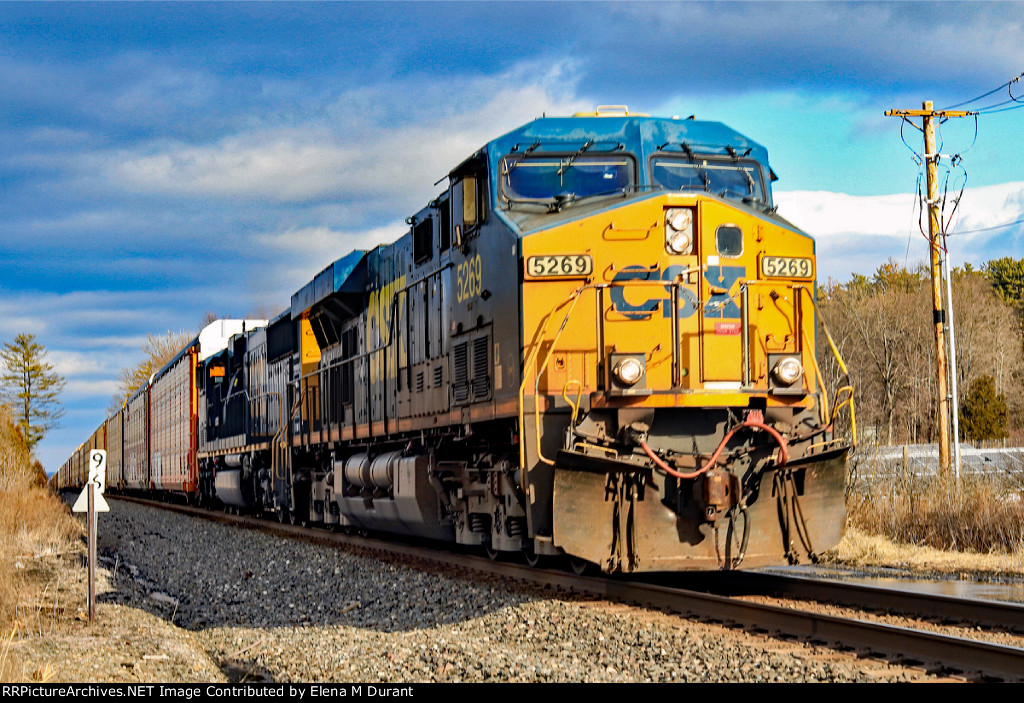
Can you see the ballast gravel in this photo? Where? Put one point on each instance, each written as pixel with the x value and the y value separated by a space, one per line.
pixel 269 608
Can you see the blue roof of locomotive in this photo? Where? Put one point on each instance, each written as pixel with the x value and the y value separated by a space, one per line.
pixel 342 276
pixel 642 136
pixel 638 135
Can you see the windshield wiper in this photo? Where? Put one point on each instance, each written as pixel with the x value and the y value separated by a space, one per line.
pixel 556 203
pixel 510 166
pixel 561 200
pixel 568 164
pixel 701 171
pixel 553 203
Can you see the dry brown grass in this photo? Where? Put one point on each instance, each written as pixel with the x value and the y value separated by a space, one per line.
pixel 858 548
pixel 15 458
pixel 980 515
pixel 34 525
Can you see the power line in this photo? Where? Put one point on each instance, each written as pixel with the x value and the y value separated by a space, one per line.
pixel 1005 109
pixel 1007 84
pixel 988 229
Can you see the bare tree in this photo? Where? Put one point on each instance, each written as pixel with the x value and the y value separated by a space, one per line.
pixel 882 326
pixel 157 351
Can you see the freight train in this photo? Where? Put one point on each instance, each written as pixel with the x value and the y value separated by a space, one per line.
pixel 597 341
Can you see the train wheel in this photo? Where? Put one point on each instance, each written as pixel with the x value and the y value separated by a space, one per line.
pixel 580 567
pixel 492 553
pixel 531 556
pixel 283 515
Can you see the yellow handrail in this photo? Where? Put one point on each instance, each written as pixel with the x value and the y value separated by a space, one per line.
pixel 538 339
pixel 842 367
pixel 575 406
pixel 543 367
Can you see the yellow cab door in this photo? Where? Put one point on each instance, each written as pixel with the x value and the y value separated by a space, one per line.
pixel 724 256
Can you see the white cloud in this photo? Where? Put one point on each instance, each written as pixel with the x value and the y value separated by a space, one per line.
pixel 292 257
pixel 14 321
pixel 825 214
pixel 857 233
pixel 359 156
pixel 316 241
pixel 74 317
pixel 989 206
pixel 76 363
pixel 97 389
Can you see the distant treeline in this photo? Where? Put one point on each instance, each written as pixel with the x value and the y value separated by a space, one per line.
pixel 882 325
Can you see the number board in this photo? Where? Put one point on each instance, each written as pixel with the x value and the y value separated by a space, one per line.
pixel 787 267
pixel 560 266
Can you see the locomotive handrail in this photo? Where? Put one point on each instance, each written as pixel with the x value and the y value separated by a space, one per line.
pixel 387 341
pixel 827 417
pixel 285 426
pixel 391 324
pixel 579 394
pixel 842 366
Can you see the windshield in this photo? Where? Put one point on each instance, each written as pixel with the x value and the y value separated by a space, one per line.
pixel 730 178
pixel 548 177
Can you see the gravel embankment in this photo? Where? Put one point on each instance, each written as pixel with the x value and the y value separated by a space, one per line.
pixel 264 607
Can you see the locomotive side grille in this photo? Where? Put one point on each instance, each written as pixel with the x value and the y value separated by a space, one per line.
pixel 481 379
pixel 460 375
pixel 438 376
pixel 419 381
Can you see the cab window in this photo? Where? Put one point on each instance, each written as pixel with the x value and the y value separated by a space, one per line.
pixel 728 178
pixel 542 178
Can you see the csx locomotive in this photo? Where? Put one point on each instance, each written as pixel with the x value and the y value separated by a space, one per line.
pixel 598 341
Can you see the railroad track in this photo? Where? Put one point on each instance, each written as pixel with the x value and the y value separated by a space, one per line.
pixel 720 599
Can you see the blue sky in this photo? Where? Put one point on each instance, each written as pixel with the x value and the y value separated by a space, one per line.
pixel 162 161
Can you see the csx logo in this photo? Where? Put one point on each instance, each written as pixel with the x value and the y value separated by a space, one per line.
pixel 719 305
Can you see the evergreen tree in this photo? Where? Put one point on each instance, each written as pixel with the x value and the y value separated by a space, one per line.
pixel 1007 276
pixel 984 414
pixel 31 387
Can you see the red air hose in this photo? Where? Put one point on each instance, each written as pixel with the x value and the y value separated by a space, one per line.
pixel 783 450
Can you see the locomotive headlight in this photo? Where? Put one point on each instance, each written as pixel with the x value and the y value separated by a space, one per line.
pixel 628 371
pixel 679 231
pixel 788 371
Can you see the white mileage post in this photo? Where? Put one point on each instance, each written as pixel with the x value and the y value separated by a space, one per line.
pixel 91 502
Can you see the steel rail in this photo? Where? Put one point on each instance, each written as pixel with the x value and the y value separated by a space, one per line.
pixel 976 611
pixel 972 658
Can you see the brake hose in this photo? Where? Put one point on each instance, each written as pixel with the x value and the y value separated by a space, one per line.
pixel 781 461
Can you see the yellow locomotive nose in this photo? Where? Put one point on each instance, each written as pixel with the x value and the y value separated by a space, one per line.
pixel 695 321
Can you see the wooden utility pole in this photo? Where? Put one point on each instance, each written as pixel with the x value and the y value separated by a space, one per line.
pixel 931 156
